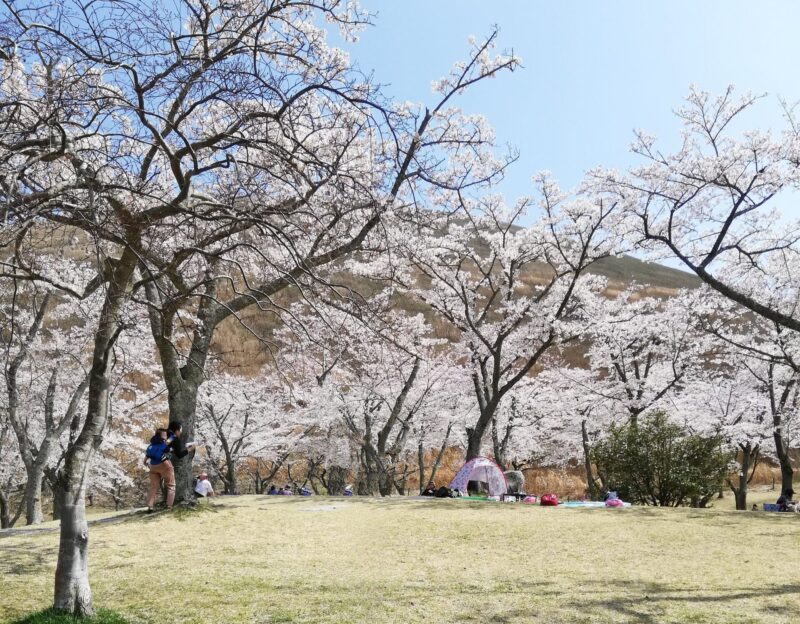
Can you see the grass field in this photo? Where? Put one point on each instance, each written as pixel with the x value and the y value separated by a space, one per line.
pixel 259 559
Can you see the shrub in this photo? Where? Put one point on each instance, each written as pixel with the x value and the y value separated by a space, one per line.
pixel 656 462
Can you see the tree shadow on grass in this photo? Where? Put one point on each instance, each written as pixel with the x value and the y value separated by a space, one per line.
pixel 640 602
pixel 26 558
pixel 623 601
pixel 103 616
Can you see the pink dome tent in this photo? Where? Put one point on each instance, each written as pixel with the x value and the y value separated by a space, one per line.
pixel 481 469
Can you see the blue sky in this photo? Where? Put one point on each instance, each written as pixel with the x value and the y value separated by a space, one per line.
pixel 593 71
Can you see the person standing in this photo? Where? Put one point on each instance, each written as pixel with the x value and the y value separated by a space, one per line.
pixel 157 458
pixel 178 447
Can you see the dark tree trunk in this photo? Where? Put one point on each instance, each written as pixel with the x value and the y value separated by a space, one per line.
pixel 474 442
pixel 595 492
pixel 57 500
pixel 749 454
pixel 782 451
pixel 182 404
pixel 335 480
pixel 230 479
pixel 476 435
pixel 5 512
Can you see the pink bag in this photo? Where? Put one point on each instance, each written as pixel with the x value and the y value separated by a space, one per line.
pixel 531 500
pixel 614 502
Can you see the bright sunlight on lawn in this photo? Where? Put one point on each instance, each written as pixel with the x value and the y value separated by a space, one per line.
pixel 253 559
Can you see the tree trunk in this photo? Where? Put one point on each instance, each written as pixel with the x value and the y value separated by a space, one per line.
pixel 230 482
pixel 182 405
pixel 594 491
pixel 474 442
pixel 749 460
pixel 475 435
pixel 782 451
pixel 335 482
pixel 57 500
pixel 33 497
pixel 72 592
pixel 5 511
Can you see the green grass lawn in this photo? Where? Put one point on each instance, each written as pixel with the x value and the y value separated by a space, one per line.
pixel 259 559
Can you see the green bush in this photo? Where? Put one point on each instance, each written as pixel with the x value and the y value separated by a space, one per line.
pixel 103 616
pixel 656 462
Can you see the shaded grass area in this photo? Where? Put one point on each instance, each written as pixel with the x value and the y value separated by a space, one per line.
pixel 103 616
pixel 259 559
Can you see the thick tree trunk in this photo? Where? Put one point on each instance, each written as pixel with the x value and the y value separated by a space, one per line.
pixel 474 442
pixel 72 592
pixel 182 405
pixel 782 451
pixel 33 497
pixel 5 512
pixel 476 435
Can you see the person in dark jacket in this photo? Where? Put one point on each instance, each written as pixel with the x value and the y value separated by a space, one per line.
pixel 179 448
pixel 785 502
pixel 158 460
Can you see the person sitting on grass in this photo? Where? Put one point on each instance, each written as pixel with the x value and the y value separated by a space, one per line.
pixel 287 490
pixel 785 502
pixel 430 489
pixel 203 489
pixel 273 491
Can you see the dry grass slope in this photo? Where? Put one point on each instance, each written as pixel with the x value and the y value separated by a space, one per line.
pixel 254 559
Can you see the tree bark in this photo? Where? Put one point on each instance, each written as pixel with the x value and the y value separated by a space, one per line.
pixel 182 405
pixel 782 451
pixel 5 513
pixel 33 498
pixel 72 593
pixel 750 453
pixel 335 481
pixel 591 482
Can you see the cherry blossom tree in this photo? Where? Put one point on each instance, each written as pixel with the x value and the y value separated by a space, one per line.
pixel 44 379
pixel 505 289
pixel 347 170
pixel 769 352
pixel 733 404
pixel 642 349
pixel 713 204
pixel 240 419
pixel 170 137
pixel 377 367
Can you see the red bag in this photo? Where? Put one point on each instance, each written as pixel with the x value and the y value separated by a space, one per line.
pixel 549 500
